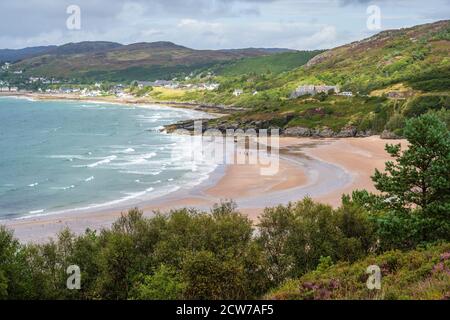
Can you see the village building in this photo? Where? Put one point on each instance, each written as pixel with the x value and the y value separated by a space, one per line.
pixel 210 86
pixel 6 66
pixel 312 90
pixel 346 94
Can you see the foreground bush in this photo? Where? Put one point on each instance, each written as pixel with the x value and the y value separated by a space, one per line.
pixel 296 236
pixel 185 254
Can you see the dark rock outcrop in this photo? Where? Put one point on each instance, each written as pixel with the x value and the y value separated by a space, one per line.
pixel 347 132
pixel 297 131
pixel 386 134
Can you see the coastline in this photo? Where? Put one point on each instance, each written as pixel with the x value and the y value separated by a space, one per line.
pixel 323 169
pixel 211 109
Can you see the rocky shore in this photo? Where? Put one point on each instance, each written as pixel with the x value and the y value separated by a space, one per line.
pixel 297 131
pixel 222 123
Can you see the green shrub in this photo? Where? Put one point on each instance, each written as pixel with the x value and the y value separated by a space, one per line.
pixel 421 104
pixel 295 237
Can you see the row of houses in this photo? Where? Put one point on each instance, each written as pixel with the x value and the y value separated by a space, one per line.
pixel 43 80
pixel 157 83
pixel 9 89
pixel 6 66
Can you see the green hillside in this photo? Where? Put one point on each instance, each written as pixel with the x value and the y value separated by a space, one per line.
pixel 116 62
pixel 275 64
pixel 388 74
pixel 410 55
pixel 412 275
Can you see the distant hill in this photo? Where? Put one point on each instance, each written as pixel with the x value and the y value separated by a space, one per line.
pixel 84 47
pixel 274 63
pixel 116 62
pixel 14 55
pixel 266 50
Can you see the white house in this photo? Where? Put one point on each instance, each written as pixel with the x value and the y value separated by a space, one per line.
pixel 237 92
pixel 312 90
pixel 211 86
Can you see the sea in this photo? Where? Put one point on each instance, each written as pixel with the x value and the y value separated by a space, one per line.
pixel 61 156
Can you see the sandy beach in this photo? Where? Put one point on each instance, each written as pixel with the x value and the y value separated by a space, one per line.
pixel 323 169
pixel 124 100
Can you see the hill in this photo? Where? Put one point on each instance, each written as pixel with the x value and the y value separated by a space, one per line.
pixel 14 55
pixel 410 55
pixel 116 62
pixel 389 75
pixel 412 275
pixel 275 63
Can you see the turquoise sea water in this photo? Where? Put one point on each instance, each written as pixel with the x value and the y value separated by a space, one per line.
pixel 61 155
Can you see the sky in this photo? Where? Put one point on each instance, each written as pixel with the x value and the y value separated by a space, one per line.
pixel 210 24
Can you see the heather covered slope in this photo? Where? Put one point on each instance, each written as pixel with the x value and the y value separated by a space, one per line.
pixel 417 274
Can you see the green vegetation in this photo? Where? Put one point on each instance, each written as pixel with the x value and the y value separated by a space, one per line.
pixel 189 254
pixel 414 206
pixel 417 274
pixel 95 61
pixel 147 73
pixel 408 70
pixel 273 64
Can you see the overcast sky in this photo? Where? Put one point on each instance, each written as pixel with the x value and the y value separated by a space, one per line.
pixel 210 24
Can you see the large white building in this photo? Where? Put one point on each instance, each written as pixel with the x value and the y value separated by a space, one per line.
pixel 312 90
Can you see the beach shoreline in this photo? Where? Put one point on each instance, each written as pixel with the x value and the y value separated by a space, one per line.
pixel 135 101
pixel 322 169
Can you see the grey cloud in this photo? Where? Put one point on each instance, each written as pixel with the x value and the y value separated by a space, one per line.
pixel 32 16
pixel 207 23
